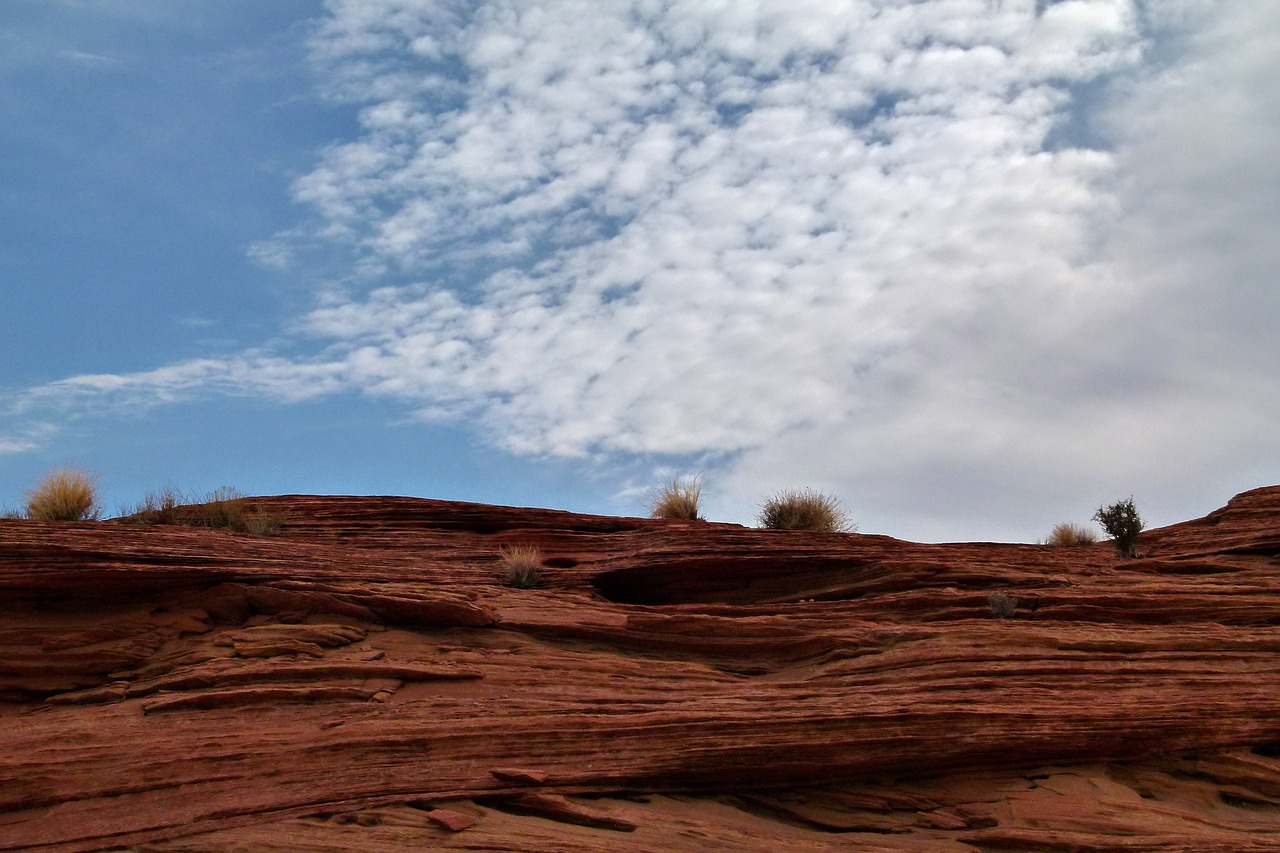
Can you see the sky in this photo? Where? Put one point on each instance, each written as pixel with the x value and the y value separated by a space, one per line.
pixel 974 267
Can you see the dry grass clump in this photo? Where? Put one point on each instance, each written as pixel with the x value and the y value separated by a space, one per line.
pixel 522 565
pixel 805 510
pixel 1003 605
pixel 156 508
pixel 228 507
pixel 223 507
pixel 678 499
pixel 1068 534
pixel 65 494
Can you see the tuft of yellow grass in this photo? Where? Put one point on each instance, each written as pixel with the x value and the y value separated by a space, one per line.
pixel 156 508
pixel 1068 534
pixel 678 499
pixel 222 507
pixel 805 509
pixel 65 494
pixel 522 565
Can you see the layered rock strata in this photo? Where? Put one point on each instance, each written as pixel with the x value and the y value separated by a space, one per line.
pixel 367 680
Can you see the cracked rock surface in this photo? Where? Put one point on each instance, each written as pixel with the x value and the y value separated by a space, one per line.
pixel 366 680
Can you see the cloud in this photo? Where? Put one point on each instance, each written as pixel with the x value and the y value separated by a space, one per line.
pixel 31 437
pixel 248 374
pixel 90 60
pixel 697 228
pixel 272 254
pixel 849 245
pixel 16 445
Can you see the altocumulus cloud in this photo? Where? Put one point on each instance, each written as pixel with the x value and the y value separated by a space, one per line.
pixel 701 225
pixel 943 257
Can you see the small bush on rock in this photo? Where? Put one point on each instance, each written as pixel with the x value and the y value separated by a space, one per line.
pixel 222 507
pixel 1123 524
pixel 1003 605
pixel 64 494
pixel 1068 534
pixel 156 508
pixel 804 510
pixel 677 500
pixel 522 565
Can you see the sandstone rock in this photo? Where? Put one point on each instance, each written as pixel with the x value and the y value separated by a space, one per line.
pixel 181 689
pixel 519 776
pixel 451 820
pixel 556 807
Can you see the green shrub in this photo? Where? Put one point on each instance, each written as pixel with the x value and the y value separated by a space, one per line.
pixel 522 565
pixel 1123 524
pixel 1068 534
pixel 677 500
pixel 64 494
pixel 804 510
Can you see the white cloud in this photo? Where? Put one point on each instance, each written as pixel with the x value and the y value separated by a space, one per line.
pixel 30 437
pixel 88 59
pixel 705 225
pixel 16 445
pixel 248 374
pixel 844 244
pixel 272 254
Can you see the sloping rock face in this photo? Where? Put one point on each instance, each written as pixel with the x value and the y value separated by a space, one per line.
pixel 367 680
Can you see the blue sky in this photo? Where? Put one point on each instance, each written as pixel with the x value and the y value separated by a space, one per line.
pixel 973 267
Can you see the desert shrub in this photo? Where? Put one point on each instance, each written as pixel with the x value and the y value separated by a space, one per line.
pixel 228 507
pixel 1123 524
pixel 521 565
pixel 804 510
pixel 1068 534
pixel 223 507
pixel 64 494
pixel 262 522
pixel 676 500
pixel 1003 605
pixel 156 508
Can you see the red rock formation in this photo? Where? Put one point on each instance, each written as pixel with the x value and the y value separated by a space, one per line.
pixel 367 681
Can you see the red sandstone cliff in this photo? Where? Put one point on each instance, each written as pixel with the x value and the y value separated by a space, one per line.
pixel 366 681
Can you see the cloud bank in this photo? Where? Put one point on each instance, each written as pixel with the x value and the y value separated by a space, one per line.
pixel 963 262
pixel 700 227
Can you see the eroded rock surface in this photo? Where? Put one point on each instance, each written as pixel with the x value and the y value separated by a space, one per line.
pixel 367 681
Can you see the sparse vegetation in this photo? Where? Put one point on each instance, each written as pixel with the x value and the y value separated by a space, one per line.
pixel 679 499
pixel 1123 524
pixel 522 565
pixel 1003 605
pixel 805 510
pixel 65 494
pixel 223 507
pixel 1068 534
pixel 156 508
